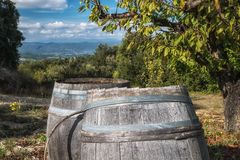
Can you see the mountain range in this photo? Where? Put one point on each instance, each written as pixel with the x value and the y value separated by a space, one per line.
pixel 38 50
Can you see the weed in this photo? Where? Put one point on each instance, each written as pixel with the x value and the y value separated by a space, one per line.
pixel 42 138
pixel 15 106
pixel 3 151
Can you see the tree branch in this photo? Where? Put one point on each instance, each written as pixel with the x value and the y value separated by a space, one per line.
pixel 192 4
pixel 159 21
pixel 124 15
pixel 178 27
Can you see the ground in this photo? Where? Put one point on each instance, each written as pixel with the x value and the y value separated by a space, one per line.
pixel 23 125
pixel 221 145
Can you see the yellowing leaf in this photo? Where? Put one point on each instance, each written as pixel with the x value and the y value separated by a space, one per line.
pixel 153 50
pixel 177 41
pixel 182 4
pixel 220 30
pixel 198 46
pixel 217 4
pixel 166 51
pixel 130 45
pixel 175 2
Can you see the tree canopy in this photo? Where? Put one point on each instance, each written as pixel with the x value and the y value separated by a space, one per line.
pixel 147 70
pixel 203 32
pixel 10 36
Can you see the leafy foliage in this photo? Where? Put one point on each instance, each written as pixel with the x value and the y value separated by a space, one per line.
pixel 192 32
pixel 205 32
pixel 10 36
pixel 145 69
pixel 130 62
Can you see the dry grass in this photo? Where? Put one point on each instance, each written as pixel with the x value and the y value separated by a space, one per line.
pixel 222 145
pixel 207 101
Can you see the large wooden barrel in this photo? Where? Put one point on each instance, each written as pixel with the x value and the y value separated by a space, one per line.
pixel 69 96
pixel 141 124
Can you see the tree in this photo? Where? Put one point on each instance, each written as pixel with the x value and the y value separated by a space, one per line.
pixel 10 36
pixel 152 70
pixel 130 61
pixel 103 60
pixel 205 32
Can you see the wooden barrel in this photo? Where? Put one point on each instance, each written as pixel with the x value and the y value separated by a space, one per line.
pixel 69 96
pixel 141 124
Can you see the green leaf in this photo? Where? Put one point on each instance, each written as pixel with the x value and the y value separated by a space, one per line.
pixel 220 30
pixel 152 7
pixel 166 51
pixel 175 2
pixel 153 49
pixel 178 40
pixel 198 45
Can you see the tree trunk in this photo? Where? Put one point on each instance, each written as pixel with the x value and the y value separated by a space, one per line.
pixel 231 95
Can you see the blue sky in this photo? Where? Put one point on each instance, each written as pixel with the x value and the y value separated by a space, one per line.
pixel 60 21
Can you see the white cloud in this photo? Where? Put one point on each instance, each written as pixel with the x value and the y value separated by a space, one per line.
pixel 56 24
pixel 46 31
pixel 61 31
pixel 29 26
pixel 44 4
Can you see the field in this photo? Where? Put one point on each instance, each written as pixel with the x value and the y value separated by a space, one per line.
pixel 23 125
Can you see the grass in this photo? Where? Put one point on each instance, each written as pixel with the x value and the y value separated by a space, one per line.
pixel 22 132
pixel 222 145
pixel 24 148
pixel 22 135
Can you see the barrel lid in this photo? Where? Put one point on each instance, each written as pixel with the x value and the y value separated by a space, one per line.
pixel 90 83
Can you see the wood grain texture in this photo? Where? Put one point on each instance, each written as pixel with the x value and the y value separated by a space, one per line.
pixel 70 96
pixel 107 151
pixel 88 151
pixel 103 125
pixel 129 131
pixel 138 114
pixel 156 150
pixel 147 150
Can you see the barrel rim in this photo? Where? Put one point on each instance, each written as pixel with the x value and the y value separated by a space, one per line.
pixel 92 81
pixel 171 89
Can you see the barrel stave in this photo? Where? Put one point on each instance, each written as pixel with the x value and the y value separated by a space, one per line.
pixel 142 131
pixel 138 114
pixel 189 149
pixel 126 131
pixel 68 97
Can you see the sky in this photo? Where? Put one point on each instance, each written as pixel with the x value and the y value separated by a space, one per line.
pixel 60 21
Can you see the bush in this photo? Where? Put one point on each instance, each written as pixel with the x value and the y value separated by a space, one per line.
pixel 14 82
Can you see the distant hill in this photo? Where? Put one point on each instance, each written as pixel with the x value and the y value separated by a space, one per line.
pixel 37 50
